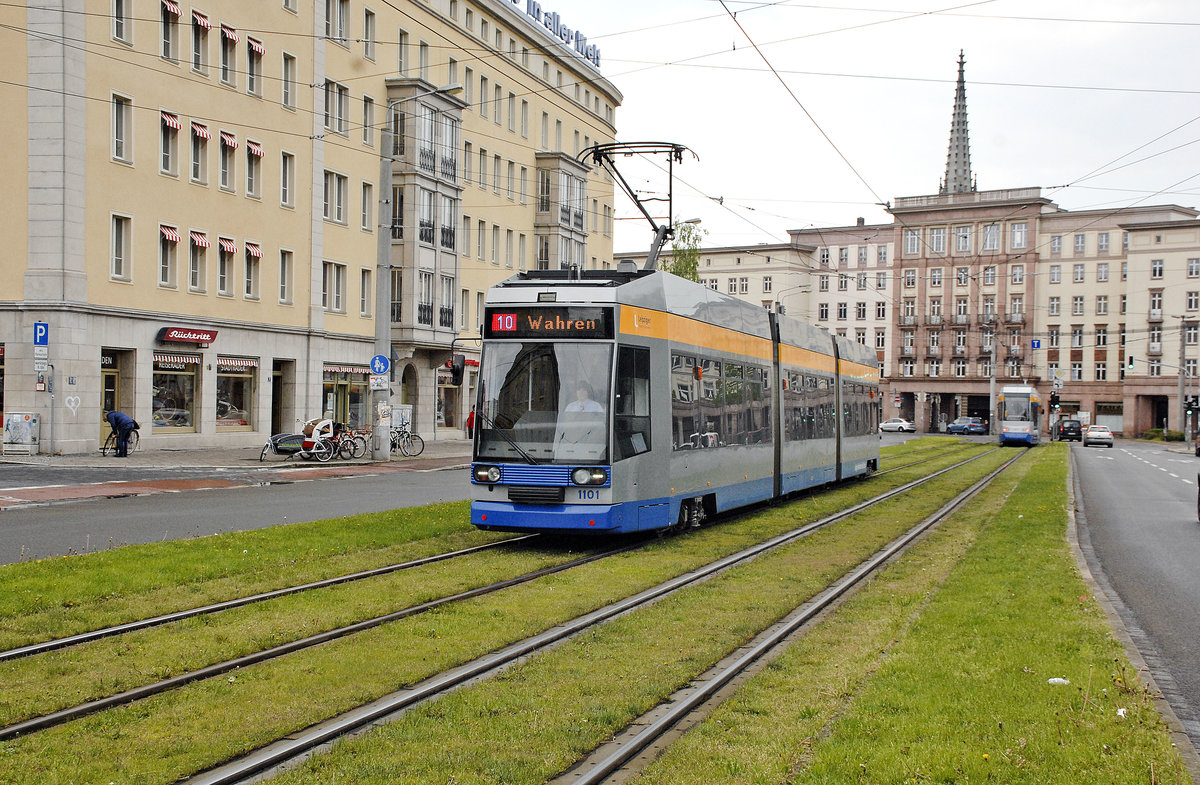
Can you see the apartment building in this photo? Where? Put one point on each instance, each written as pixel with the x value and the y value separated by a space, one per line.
pixel 215 209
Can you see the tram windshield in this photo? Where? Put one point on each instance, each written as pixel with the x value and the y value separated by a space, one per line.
pixel 1017 408
pixel 544 402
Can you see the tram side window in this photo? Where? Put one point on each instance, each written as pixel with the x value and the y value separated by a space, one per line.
pixel 684 401
pixel 632 416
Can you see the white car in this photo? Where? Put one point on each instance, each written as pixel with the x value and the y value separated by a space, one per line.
pixel 897 424
pixel 1098 434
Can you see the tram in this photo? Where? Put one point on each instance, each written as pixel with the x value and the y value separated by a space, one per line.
pixel 1019 413
pixel 614 401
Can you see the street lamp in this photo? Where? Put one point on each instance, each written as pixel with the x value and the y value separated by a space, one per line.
pixel 381 447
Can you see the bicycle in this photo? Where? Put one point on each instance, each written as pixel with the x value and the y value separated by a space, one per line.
pixel 110 444
pixel 407 442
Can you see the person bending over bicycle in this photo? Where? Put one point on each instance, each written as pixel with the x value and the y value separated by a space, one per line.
pixel 122 425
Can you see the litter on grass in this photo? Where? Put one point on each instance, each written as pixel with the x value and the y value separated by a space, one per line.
pixel 1057 680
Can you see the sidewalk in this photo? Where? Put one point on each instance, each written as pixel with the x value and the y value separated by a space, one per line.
pixel 207 469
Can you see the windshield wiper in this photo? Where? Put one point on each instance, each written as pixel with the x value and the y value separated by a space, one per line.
pixel 497 429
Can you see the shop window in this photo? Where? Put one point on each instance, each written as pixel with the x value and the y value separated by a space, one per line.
pixel 235 393
pixel 175 381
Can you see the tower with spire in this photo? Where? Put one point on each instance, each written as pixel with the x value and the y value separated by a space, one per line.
pixel 958 179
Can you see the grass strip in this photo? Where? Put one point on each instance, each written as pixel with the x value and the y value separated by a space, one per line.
pixel 50 598
pixel 170 736
pixel 938 671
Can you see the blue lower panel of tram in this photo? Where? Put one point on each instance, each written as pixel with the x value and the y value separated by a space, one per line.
pixel 1027 439
pixel 606 518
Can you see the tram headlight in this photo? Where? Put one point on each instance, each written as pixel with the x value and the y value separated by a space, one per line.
pixel 488 474
pixel 589 476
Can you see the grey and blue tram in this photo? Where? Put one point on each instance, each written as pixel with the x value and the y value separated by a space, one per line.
pixel 632 400
pixel 1019 412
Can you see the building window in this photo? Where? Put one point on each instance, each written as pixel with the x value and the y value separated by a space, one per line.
pixel 1018 274
pixel 121 29
pixel 1156 268
pixel 122 129
pixel 333 287
pixel 1077 305
pixel 251 276
pixel 1101 304
pixel 962 238
pixel 288 86
pixel 824 257
pixel 225 254
pixel 841 311
pixel 1054 306
pixel 287 176
pixel 169 143
pixel 121 268
pixel 1102 272
pixel 229 41
pixel 1102 242
pixel 964 276
pixel 937 240
pixel 285 277
pixel 989 275
pixel 168 244
pixel 200 28
pixel 1101 372
pixel 369 35
pixel 860 311
pixel 235 393
pixel 337 19
pixel 1080 243
pixel 823 312
pixel 880 310
pixel 881 255
pixel 823 283
pixel 368 120
pixel 935 277
pixel 334 197
pixel 910 278
pixel 1078 273
pixel 1193 300
pixel 425 298
pixel 366 292
pixel 880 339
pixel 912 241
pixel 175 381
pixel 368 198
pixel 1076 337
pixel 1018 234
pixel 337 106
pixel 1056 273
pixel 1056 244
pixel 425 228
pixel 197 262
pixel 170 32
pixel 254 156
pixel 229 147
pixel 991 237
pixel 1193 268
pixel 254 69
pixel 843 282
pixel 766 284
pixel 1101 335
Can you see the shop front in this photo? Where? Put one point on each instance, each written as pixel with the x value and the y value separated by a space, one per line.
pixel 346 394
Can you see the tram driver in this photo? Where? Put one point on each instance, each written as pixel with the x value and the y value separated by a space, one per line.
pixel 583 400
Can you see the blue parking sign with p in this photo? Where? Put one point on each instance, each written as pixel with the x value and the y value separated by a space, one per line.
pixel 41 334
pixel 380 364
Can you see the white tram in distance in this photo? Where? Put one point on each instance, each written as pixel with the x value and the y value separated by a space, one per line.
pixel 631 400
pixel 1019 412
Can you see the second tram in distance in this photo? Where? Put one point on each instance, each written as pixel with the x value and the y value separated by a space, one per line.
pixel 632 400
pixel 1019 411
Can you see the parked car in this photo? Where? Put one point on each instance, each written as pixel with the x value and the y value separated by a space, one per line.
pixel 967 425
pixel 1098 434
pixel 897 424
pixel 1069 430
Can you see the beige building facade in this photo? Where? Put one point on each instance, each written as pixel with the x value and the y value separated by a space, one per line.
pixel 216 209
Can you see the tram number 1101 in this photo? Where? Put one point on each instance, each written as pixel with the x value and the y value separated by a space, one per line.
pixel 589 493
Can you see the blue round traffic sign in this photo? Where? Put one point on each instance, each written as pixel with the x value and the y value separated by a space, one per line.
pixel 380 364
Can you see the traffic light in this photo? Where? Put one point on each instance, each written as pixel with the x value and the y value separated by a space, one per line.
pixel 457 365
pixel 1054 400
pixel 1129 362
pixel 1189 404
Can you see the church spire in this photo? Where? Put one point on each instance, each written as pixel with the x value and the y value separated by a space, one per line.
pixel 958 160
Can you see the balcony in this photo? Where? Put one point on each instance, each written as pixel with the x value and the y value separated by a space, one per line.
pixel 907 319
pixel 397 312
pixel 908 351
pixel 1015 351
pixel 934 351
pixel 987 318
pixel 1014 318
pixel 425 232
pixel 1156 314
pixel 425 313
pixel 960 350
pixel 445 317
pixel 448 238
pixel 1154 347
pixel 962 318
pixel 427 159
pixel 934 318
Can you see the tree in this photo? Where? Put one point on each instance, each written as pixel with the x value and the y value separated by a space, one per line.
pixel 685 251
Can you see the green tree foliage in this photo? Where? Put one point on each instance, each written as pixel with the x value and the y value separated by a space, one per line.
pixel 685 251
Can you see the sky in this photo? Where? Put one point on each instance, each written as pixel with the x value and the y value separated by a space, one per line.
pixel 808 114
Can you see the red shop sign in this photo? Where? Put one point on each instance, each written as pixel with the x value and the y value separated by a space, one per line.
pixel 186 335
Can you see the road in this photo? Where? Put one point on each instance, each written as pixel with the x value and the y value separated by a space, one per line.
pixel 1142 538
pixel 83 526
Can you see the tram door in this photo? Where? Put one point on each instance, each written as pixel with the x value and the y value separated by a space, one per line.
pixel 110 398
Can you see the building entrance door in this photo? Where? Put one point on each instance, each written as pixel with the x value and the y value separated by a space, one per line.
pixel 110 398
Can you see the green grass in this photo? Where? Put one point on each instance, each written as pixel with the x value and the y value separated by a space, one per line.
pixel 172 735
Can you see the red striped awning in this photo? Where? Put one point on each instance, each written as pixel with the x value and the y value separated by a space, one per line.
pixel 199 239
pixel 237 362
pixel 229 140
pixel 256 46
pixel 346 369
pixel 171 6
pixel 255 148
pixel 227 245
pixel 254 250
pixel 230 33
pixel 200 20
pixel 171 120
pixel 177 358
pixel 201 130
pixel 169 234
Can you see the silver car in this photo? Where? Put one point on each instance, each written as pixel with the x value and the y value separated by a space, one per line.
pixel 897 424
pixel 1098 434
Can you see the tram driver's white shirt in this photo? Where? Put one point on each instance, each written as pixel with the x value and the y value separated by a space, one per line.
pixel 584 406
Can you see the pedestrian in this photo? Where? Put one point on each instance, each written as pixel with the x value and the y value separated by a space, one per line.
pixel 471 424
pixel 122 425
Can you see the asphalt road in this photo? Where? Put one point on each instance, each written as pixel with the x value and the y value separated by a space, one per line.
pixel 84 526
pixel 1139 505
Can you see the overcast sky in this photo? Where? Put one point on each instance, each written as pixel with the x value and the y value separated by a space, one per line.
pixel 1095 101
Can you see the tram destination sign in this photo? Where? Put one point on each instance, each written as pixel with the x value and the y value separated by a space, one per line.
pixel 522 322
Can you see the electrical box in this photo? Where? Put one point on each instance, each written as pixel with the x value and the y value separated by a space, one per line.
pixel 22 432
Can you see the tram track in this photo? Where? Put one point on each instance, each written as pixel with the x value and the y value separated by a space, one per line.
pixel 618 760
pixel 297 746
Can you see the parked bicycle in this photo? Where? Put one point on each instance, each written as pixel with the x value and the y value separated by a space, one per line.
pixel 407 442
pixel 110 444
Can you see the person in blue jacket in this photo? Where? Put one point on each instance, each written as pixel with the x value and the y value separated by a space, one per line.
pixel 122 425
